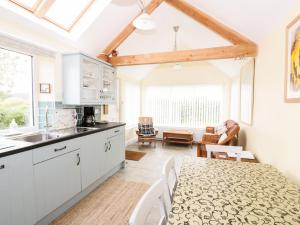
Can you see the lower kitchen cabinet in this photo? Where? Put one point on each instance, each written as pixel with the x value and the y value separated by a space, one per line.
pixel 16 190
pixel 56 181
pixel 114 148
pixel 91 154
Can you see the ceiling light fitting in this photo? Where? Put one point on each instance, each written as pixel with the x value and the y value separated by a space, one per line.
pixel 177 66
pixel 144 21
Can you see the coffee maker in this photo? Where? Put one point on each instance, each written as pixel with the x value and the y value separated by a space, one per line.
pixel 88 119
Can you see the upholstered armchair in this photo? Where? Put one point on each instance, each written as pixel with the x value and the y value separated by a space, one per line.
pixel 226 135
pixel 146 132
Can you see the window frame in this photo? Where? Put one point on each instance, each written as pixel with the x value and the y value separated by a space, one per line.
pixel 34 92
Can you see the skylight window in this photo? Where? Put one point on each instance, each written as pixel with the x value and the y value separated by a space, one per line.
pixel 28 4
pixel 66 13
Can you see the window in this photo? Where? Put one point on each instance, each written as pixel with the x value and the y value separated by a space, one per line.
pixel 132 103
pixel 16 99
pixel 65 18
pixel 184 106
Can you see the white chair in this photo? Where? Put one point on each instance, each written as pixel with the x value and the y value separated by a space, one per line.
pixel 169 167
pixel 155 194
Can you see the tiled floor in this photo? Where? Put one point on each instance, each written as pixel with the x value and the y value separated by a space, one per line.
pixel 149 168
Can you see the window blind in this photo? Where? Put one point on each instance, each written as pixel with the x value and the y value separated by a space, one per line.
pixel 184 106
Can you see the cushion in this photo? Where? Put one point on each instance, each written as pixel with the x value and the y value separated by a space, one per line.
pixel 146 129
pixel 222 138
pixel 221 130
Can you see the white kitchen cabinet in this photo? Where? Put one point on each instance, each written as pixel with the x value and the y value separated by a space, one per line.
pixel 56 181
pixel 16 190
pixel 92 147
pixel 87 81
pixel 108 85
pixel 114 148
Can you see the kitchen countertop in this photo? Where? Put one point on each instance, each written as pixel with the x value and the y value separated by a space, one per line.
pixel 21 146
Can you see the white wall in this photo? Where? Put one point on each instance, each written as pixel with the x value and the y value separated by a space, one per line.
pixel 274 135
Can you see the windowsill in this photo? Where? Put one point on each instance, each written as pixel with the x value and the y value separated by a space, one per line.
pixel 18 131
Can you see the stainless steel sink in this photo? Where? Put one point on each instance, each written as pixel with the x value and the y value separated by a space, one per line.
pixel 37 137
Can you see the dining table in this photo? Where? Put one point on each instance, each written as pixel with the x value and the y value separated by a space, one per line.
pixel 215 192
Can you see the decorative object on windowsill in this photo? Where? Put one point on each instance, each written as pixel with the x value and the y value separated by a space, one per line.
pixel 177 66
pixel 292 76
pixel 45 88
pixel 144 21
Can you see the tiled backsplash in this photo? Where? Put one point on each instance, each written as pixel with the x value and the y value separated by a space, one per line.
pixel 56 109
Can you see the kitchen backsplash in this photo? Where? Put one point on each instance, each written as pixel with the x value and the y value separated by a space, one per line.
pixel 60 115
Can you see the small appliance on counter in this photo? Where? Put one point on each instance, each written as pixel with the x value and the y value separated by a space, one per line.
pixel 88 119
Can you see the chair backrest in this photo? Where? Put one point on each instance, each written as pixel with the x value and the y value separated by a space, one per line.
pixel 168 168
pixel 156 193
pixel 145 120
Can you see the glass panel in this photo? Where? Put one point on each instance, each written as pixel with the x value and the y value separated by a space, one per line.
pixel 65 12
pixel 15 89
pixel 25 3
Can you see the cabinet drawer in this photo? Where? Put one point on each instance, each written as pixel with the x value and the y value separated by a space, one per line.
pixel 114 131
pixel 54 150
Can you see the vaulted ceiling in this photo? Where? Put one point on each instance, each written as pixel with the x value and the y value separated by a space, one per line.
pixel 252 18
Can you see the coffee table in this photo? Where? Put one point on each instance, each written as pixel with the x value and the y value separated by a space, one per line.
pixel 178 137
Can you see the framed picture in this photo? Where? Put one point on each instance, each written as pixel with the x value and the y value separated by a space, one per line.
pixel 45 88
pixel 247 91
pixel 292 75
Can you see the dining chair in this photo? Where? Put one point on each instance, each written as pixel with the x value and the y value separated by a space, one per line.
pixel 155 194
pixel 169 169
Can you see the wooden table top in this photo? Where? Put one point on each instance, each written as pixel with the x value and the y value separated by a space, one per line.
pixel 214 192
pixel 185 132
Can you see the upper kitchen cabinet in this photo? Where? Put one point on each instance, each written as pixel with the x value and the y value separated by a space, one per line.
pixel 108 85
pixel 87 81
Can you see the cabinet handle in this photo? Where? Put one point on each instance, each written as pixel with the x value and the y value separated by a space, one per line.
pixel 116 131
pixel 78 157
pixel 109 146
pixel 106 147
pixel 60 149
pixel 2 167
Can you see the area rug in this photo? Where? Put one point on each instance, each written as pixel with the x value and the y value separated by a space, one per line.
pixel 110 204
pixel 134 155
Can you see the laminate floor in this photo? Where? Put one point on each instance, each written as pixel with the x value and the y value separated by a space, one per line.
pixel 113 201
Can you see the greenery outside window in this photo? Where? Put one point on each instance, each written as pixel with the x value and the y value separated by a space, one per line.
pixel 16 89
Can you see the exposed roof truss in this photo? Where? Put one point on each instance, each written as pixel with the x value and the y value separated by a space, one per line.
pixel 241 45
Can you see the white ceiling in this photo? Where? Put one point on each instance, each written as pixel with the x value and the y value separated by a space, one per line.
pixel 252 18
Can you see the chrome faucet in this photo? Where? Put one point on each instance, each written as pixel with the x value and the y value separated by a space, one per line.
pixel 47 126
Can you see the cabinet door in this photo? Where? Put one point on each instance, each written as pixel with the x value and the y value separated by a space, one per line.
pixel 56 180
pixel 91 151
pixel 16 190
pixel 5 193
pixel 90 81
pixel 116 149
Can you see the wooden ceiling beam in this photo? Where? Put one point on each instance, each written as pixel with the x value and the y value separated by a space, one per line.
pixel 123 35
pixel 235 51
pixel 209 22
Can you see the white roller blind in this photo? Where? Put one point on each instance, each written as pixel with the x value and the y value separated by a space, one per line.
pixel 184 106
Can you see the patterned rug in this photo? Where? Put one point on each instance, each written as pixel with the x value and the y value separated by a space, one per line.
pixel 111 203
pixel 134 155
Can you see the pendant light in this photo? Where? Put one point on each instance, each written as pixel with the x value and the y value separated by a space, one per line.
pixel 144 21
pixel 177 66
